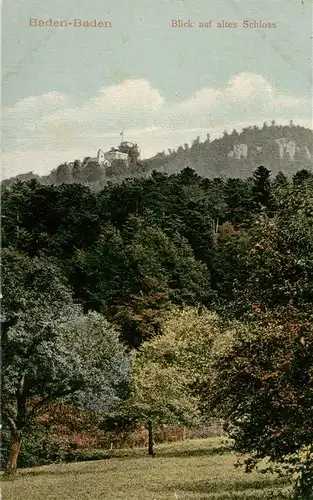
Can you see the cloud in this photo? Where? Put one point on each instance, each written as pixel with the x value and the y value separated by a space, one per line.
pixel 136 93
pixel 248 86
pixel 32 106
pixel 60 126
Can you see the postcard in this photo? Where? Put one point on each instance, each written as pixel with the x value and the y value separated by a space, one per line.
pixel 157 249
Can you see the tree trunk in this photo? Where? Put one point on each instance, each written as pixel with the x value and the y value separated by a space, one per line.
pixel 16 441
pixel 150 439
pixel 17 426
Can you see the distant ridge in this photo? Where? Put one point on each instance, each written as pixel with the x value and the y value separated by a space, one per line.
pixel 285 148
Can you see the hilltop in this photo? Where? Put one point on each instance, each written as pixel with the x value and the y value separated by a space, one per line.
pixel 280 148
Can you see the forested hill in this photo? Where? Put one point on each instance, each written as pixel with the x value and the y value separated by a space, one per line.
pixel 286 149
pixel 280 148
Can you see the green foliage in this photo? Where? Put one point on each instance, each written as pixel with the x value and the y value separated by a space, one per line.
pixel 49 219
pixel 132 274
pixel 188 335
pixel 160 391
pixel 50 349
pixel 261 189
pixel 48 345
pixel 170 370
pixel 261 384
pixel 139 248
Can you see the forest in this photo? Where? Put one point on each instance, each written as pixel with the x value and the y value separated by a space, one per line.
pixel 168 298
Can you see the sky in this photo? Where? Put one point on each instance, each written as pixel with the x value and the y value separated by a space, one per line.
pixel 68 91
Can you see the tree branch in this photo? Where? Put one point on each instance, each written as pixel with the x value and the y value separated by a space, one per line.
pixel 52 397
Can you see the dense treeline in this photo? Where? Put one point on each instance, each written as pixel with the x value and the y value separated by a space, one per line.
pixel 164 299
pixel 142 245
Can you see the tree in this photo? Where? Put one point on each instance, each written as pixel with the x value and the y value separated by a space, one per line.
pixel 229 263
pixel 77 171
pixel 261 189
pixel 92 172
pixel 188 336
pixel 52 219
pixel 63 174
pixel 160 389
pixel 170 371
pixel 261 383
pixel 238 200
pixel 302 176
pixel 279 259
pixel 51 351
pixel 280 188
pixel 135 273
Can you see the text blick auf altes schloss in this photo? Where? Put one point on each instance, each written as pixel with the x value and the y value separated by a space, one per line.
pixel 180 23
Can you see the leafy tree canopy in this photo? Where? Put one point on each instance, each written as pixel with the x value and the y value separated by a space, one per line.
pixel 50 349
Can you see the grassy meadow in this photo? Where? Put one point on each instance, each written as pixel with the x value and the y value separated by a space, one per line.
pixel 194 469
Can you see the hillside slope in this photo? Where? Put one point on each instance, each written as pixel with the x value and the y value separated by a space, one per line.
pixel 279 148
pixel 198 469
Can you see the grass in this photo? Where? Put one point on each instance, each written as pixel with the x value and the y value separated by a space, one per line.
pixel 196 469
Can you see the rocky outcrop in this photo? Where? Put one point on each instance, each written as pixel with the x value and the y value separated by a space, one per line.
pixel 239 151
pixel 307 152
pixel 286 146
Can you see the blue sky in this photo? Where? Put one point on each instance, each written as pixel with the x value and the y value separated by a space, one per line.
pixel 69 91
